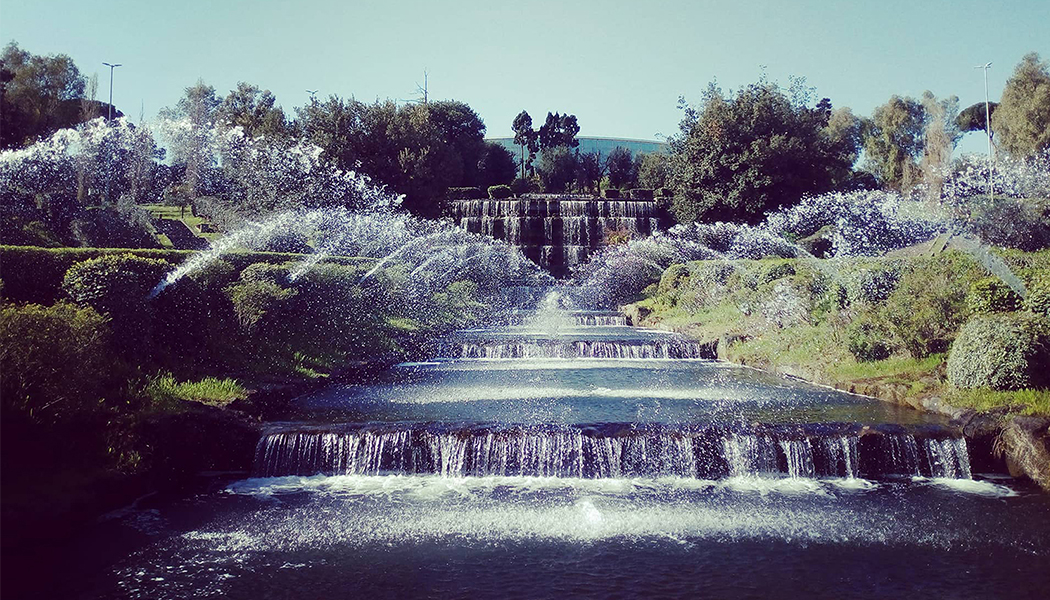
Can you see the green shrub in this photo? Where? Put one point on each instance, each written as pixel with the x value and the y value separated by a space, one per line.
pixel 640 194
pixel 56 361
pixel 928 306
pixel 673 278
pixel 991 295
pixel 611 194
pixel 465 193
pixel 776 270
pixel 1004 352
pixel 253 299
pixel 500 192
pixel 119 287
pixel 865 342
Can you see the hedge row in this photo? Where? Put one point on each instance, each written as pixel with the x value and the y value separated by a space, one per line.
pixel 34 274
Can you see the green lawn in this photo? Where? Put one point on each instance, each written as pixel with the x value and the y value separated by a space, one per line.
pixel 161 211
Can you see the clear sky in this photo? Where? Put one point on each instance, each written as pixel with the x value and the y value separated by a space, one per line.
pixel 619 66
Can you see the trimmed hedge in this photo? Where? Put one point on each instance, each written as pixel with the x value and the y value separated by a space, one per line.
pixel 1003 352
pixel 611 194
pixel 640 194
pixel 465 193
pixel 34 274
pixel 500 192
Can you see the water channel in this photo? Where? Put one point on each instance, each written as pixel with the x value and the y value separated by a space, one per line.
pixel 567 454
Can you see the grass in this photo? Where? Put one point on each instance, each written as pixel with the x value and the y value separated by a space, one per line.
pixel 166 391
pixel 1025 402
pixel 161 211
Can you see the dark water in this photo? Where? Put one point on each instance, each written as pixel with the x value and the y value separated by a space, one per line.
pixel 554 476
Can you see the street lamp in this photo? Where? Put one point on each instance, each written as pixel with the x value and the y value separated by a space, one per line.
pixel 111 67
pixel 988 125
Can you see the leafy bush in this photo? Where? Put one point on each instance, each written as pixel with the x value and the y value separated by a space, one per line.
pixel 1003 352
pixel 928 306
pixel 56 361
pixel 865 342
pixel 673 278
pixel 640 194
pixel 1012 223
pixel 119 287
pixel 991 295
pixel 777 270
pixel 465 193
pixel 611 194
pixel 500 192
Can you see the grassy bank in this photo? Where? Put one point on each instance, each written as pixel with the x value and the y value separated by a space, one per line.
pixel 884 327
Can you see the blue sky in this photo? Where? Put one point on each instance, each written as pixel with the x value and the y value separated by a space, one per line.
pixel 619 66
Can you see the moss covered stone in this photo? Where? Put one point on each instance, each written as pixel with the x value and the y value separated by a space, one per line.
pixel 1003 352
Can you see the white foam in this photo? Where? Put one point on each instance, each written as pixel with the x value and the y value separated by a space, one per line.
pixel 969 486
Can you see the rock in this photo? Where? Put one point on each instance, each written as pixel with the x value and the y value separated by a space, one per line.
pixel 635 314
pixel 820 243
pixel 1025 441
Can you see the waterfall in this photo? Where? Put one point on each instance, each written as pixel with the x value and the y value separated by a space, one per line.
pixel 624 350
pixel 602 451
pixel 556 232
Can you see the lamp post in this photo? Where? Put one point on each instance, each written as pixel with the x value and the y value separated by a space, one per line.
pixel 111 67
pixel 988 125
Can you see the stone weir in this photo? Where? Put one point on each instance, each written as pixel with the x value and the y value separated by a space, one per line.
pixel 558 232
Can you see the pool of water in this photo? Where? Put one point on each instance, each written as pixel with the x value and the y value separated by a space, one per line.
pixel 569 468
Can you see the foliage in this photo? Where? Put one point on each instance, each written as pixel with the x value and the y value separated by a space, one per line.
pixel 1022 120
pixel 939 139
pixel 866 343
pixel 496 166
pixel 1002 352
pixel 893 142
pixel 972 118
pixel 1009 222
pixel 119 286
pixel 558 130
pixel 56 361
pixel 557 168
pixel 991 295
pixel 620 166
pixel 166 390
pixel 590 168
pixel 743 154
pixel 653 169
pixel 254 111
pixel 526 137
pixel 193 120
pixel 39 95
pixel 928 305
pixel 500 192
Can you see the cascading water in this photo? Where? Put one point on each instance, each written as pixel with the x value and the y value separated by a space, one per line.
pixel 557 232
pixel 516 463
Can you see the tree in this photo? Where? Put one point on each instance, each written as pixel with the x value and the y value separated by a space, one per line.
pixel 253 110
pixel 1022 120
pixel 558 130
pixel 496 166
pixel 457 125
pixel 743 154
pixel 845 133
pixel 653 169
pixel 939 140
pixel 525 137
pixel 38 95
pixel 557 168
pixel 972 118
pixel 192 122
pixel 590 168
pixel 620 166
pixel 893 142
